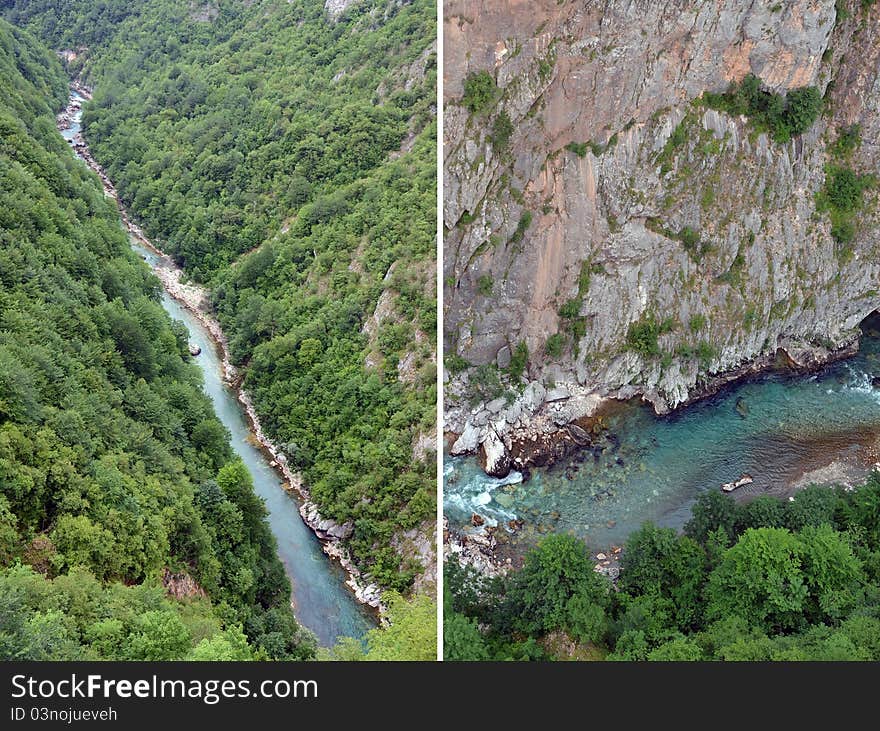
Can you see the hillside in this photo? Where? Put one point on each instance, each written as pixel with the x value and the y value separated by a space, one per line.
pixel 284 153
pixel 126 529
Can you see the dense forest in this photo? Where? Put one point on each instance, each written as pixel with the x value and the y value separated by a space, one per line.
pixel 767 580
pixel 286 158
pixel 127 530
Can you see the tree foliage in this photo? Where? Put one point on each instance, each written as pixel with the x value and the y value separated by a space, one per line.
pixel 781 116
pixel 109 448
pixel 768 580
pixel 289 162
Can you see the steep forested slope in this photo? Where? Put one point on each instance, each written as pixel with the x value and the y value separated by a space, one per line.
pixel 116 478
pixel 308 140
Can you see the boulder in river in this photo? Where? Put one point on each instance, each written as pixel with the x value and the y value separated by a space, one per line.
pixel 579 435
pixel 194 349
pixel 494 457
pixel 742 407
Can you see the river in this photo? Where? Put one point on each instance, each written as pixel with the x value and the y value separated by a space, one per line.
pixel 320 599
pixel 784 431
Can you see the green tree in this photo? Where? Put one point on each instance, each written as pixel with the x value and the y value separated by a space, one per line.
pixel 479 91
pixel 502 129
pixel 656 560
pixel 228 646
pixel 832 573
pixel 411 634
pixel 765 511
pixel 555 572
pixel 680 649
pixel 761 580
pixel 711 511
pixel 462 639
pixel 157 635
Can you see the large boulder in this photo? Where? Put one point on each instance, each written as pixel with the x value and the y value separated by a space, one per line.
pixel 493 455
pixel 533 395
pixel 467 442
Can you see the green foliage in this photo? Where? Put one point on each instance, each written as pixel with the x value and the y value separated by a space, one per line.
pixel 641 336
pixel 502 129
pixel 485 284
pixel 842 196
pixel 578 148
pixel 480 92
pixel 571 309
pixel 109 448
pixel 712 511
pixel 462 639
pixel 656 561
pixel 760 580
pixel 813 506
pixel 555 345
pixel 782 117
pixel 777 580
pixel 762 512
pixel 557 573
pixel 518 360
pixel 681 649
pixel 456 364
pixel 411 634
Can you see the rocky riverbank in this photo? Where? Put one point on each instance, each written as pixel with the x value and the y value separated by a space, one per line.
pixel 534 428
pixel 196 299
pixel 543 425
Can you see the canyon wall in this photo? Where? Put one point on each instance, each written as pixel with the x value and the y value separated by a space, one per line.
pixel 611 157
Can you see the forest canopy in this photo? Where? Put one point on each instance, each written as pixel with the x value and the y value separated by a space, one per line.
pixel 767 580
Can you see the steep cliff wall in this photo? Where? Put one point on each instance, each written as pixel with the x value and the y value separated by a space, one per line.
pixel 634 239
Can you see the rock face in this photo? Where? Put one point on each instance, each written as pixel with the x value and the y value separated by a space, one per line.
pixel 335 8
pixel 548 222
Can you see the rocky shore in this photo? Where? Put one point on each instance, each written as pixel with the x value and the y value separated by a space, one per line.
pixel 544 424
pixel 534 428
pixel 196 299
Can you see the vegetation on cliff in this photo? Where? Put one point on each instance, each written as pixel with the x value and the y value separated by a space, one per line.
pixel 118 489
pixel 768 580
pixel 782 116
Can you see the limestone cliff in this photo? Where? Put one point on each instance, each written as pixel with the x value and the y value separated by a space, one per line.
pixel 621 204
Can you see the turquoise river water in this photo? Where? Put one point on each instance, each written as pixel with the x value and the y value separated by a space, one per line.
pixel 321 601
pixel 775 428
